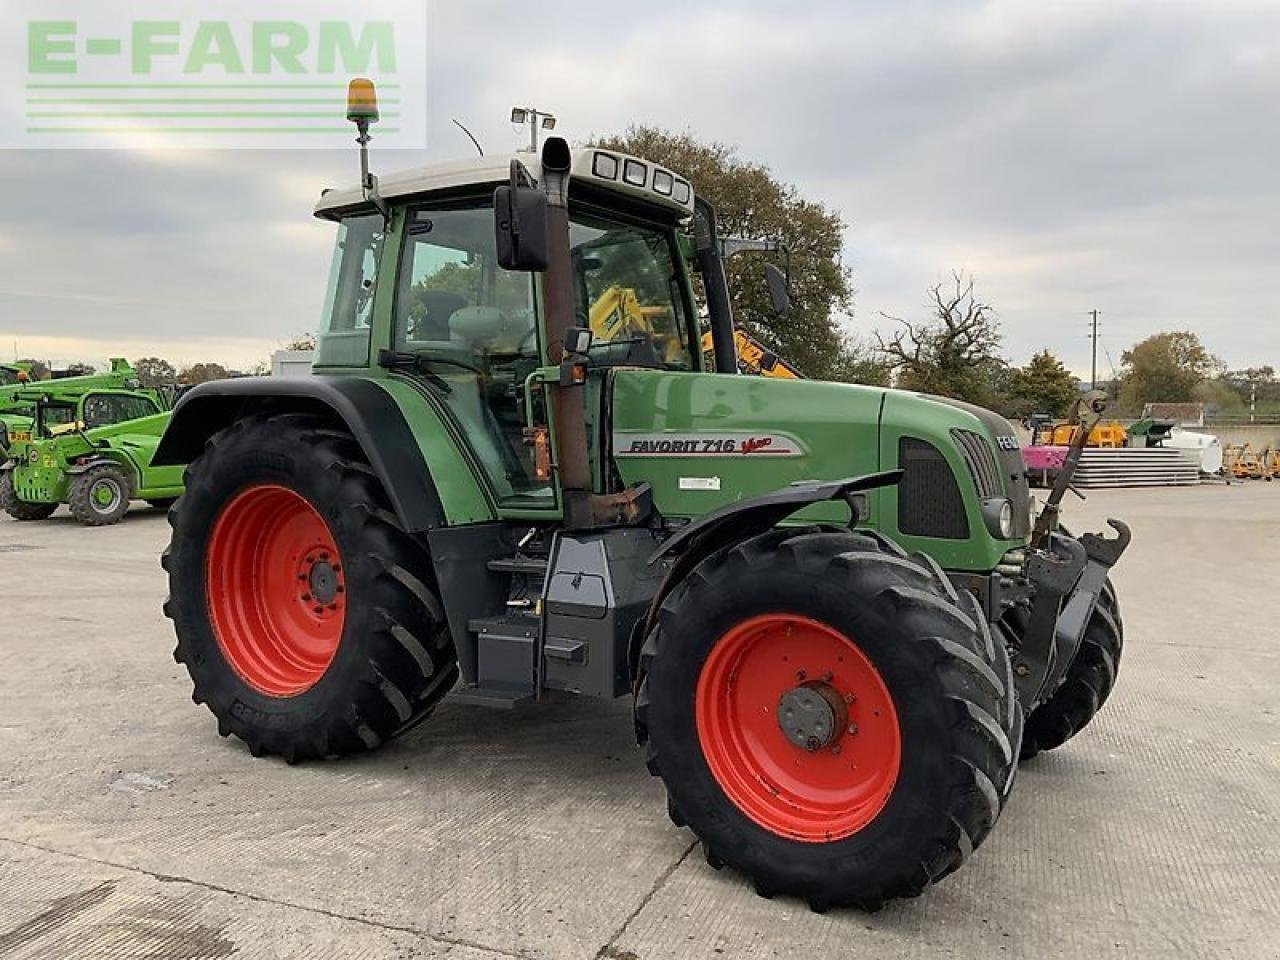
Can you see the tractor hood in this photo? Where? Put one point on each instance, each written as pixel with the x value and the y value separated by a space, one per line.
pixel 704 440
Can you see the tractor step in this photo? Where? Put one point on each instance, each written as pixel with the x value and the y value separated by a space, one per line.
pixel 506 651
pixel 494 699
pixel 526 566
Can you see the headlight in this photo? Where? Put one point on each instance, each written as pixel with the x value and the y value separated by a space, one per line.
pixel 997 513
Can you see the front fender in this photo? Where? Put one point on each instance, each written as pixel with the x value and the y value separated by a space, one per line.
pixel 735 522
pixel 367 411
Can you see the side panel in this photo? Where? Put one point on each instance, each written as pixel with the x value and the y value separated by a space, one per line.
pixel 705 439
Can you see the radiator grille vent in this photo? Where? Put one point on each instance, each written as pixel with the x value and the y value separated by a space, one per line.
pixel 929 501
pixel 981 462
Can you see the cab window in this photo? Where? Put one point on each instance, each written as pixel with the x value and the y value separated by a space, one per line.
pixel 474 329
pixel 105 409
pixel 629 292
pixel 346 322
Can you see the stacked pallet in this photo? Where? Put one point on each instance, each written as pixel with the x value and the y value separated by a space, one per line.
pixel 1137 467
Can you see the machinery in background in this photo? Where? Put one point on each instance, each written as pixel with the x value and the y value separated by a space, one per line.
pixel 93 453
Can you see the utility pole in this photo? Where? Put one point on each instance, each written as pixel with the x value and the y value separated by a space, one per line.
pixel 1093 374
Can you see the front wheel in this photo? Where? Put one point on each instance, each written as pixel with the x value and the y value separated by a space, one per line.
pixel 99 497
pixel 304 613
pixel 1087 684
pixel 829 717
pixel 21 509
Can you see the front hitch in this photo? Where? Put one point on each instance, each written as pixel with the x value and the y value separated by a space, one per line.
pixel 1077 571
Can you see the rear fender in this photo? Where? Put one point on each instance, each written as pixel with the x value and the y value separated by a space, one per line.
pixel 367 411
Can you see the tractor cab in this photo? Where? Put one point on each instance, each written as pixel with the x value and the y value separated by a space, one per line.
pixel 419 290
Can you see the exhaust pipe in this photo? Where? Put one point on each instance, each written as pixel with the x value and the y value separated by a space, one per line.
pixel 567 403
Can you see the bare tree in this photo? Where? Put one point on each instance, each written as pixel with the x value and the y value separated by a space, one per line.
pixel 954 352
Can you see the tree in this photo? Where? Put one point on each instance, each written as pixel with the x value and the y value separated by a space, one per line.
pixel 154 372
pixel 751 202
pixel 953 354
pixel 1165 368
pixel 202 373
pixel 81 369
pixel 1044 385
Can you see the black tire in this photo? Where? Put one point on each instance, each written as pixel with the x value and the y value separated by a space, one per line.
pixel 104 480
pixel 1087 684
pixel 20 509
pixel 950 684
pixel 394 660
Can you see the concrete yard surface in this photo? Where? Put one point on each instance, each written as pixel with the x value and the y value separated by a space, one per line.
pixel 130 829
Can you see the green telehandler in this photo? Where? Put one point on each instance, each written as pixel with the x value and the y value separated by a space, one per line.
pixel 92 452
pixel 17 399
pixel 838 616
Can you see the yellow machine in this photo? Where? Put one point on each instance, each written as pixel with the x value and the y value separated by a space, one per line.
pixel 1109 435
pixel 618 314
pixel 1244 463
pixel 754 358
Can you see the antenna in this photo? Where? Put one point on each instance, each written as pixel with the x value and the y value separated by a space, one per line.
pixel 470 136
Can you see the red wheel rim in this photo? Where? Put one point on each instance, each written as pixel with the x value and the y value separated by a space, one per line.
pixel 813 795
pixel 275 589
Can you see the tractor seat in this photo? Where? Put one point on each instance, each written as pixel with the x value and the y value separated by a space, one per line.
pixel 440 305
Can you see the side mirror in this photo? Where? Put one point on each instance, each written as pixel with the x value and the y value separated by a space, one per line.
pixel 779 292
pixel 520 228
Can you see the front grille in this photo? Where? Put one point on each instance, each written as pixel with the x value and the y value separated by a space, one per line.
pixel 980 461
pixel 929 501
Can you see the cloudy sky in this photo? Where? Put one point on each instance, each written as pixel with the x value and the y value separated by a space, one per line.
pixel 1123 156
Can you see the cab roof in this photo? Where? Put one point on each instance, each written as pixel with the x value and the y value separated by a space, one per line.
pixel 632 177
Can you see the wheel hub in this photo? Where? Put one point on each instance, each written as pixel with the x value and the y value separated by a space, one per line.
pixel 323 582
pixel 812 715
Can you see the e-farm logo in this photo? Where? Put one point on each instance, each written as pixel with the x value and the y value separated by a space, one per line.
pixel 166 73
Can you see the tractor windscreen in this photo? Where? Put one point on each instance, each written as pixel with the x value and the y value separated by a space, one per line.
pixel 54 417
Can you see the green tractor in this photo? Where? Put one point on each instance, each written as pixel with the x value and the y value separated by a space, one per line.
pixel 17 399
pixel 92 452
pixel 832 605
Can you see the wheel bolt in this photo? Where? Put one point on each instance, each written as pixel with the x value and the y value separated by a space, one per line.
pixel 848 698
pixel 813 743
pixel 306 598
pixel 800 674
pixel 828 677
pixel 835 750
pixel 853 728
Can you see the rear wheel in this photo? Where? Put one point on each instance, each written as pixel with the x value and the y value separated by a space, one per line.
pixel 304 613
pixel 1087 684
pixel 100 496
pixel 829 717
pixel 21 509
